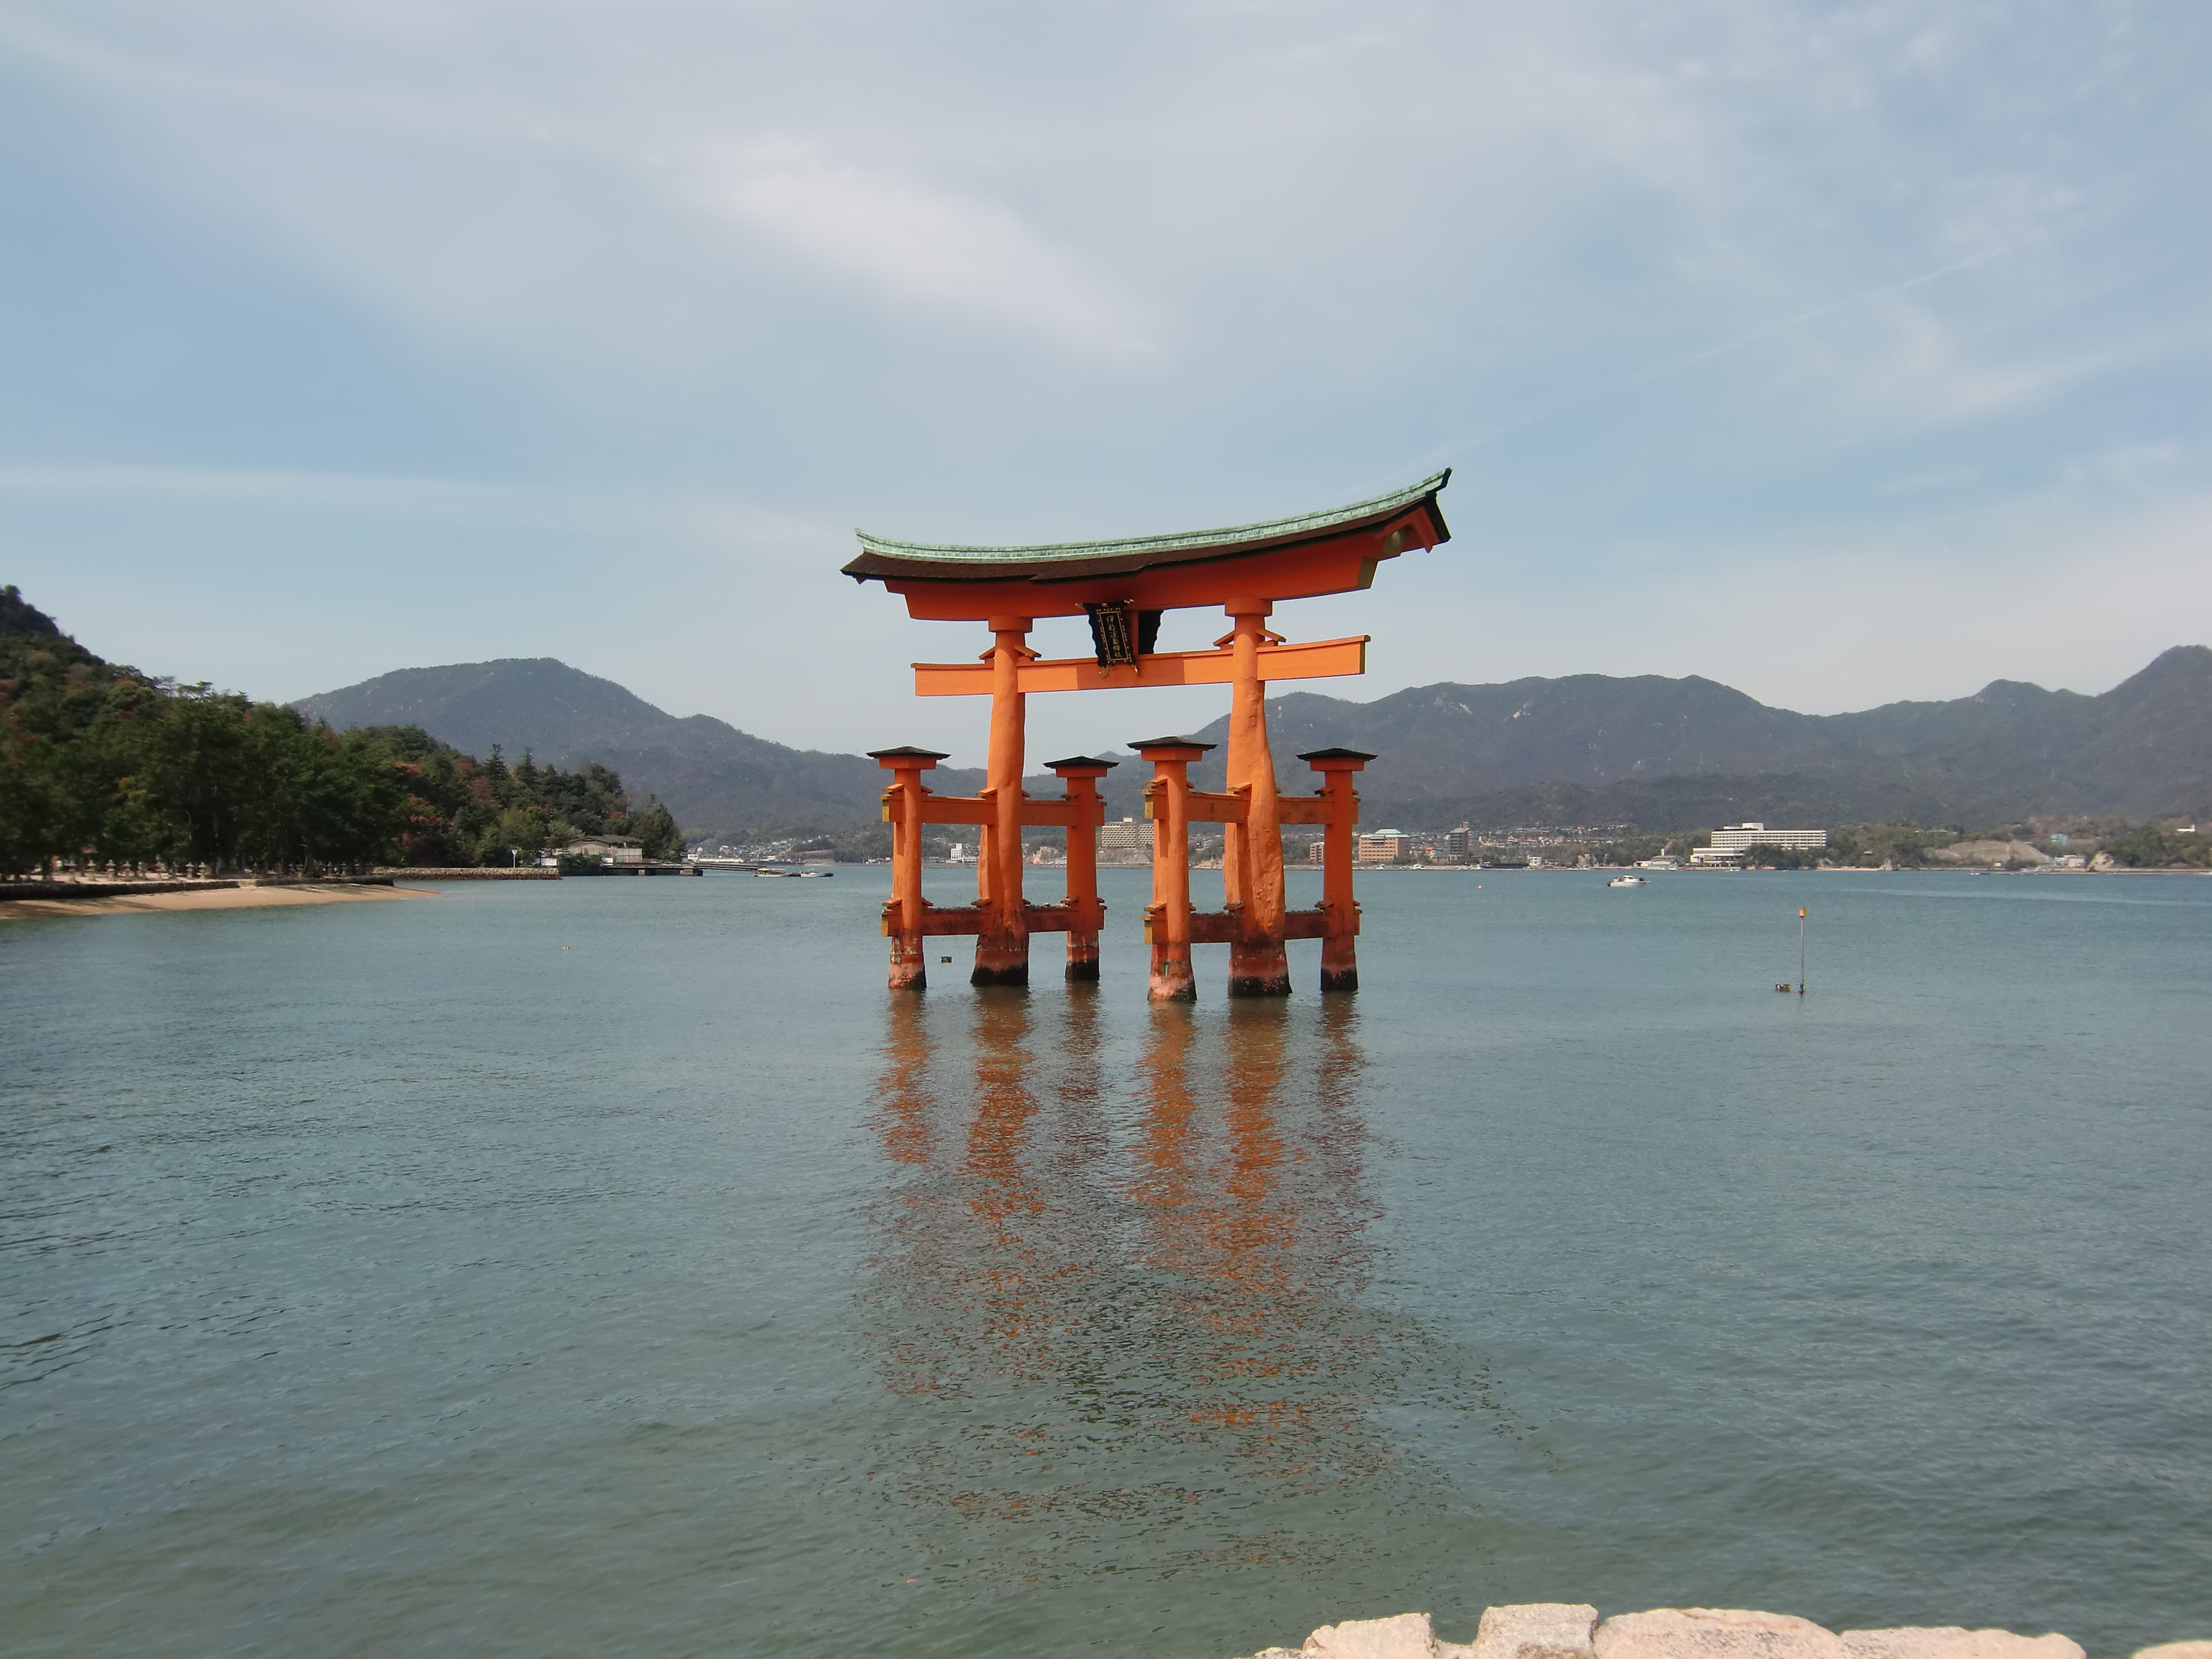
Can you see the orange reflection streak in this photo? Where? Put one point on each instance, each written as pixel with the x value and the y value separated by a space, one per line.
pixel 1264 1242
pixel 904 1123
pixel 1112 1296
pixel 1008 1275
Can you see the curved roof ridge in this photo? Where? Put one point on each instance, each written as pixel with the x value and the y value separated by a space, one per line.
pixel 1299 525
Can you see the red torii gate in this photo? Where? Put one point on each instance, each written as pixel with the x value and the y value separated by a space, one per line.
pixel 1124 587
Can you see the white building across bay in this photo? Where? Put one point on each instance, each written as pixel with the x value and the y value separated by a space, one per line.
pixel 1731 840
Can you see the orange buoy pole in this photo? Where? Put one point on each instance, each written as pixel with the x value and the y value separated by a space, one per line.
pixel 1167 918
pixel 903 913
pixel 1259 966
pixel 1340 960
pixel 1002 949
pixel 1086 811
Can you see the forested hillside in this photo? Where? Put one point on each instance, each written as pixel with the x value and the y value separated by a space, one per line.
pixel 103 763
pixel 720 781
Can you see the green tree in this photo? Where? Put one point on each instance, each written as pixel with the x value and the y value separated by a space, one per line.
pixel 655 830
pixel 519 830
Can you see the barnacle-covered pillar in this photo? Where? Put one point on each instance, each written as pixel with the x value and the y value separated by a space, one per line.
pixel 1339 959
pixel 903 810
pixel 1087 914
pixel 1252 852
pixel 1002 949
pixel 1167 918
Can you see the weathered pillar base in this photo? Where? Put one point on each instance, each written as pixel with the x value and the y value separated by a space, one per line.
pixel 1172 981
pixel 1082 958
pixel 1001 962
pixel 908 957
pixel 1340 966
pixel 1262 970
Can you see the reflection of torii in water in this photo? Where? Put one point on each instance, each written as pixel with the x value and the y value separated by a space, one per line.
pixel 1121 1318
pixel 1124 587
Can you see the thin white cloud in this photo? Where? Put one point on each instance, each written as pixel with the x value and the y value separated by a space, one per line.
pixel 914 240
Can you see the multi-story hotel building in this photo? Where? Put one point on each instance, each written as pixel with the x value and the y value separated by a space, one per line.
pixel 1731 840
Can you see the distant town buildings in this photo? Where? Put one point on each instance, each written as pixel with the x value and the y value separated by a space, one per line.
pixel 1731 840
pixel 1460 844
pixel 1383 846
pixel 1129 842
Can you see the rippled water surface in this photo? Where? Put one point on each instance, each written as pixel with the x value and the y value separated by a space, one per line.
pixel 613 1268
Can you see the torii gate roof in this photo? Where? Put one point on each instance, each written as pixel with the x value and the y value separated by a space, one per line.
pixel 1332 551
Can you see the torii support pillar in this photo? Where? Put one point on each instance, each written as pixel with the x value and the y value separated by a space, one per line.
pixel 1339 959
pixel 1002 949
pixel 906 764
pixel 1252 851
pixel 1167 918
pixel 1086 915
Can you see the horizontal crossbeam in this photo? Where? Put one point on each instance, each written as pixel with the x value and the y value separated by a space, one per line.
pixel 1227 926
pixel 1315 659
pixel 981 809
pixel 1036 918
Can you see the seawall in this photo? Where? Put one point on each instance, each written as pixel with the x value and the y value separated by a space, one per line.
pixel 465 872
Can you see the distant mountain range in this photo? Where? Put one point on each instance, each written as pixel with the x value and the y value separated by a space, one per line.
pixel 718 780
pixel 1586 749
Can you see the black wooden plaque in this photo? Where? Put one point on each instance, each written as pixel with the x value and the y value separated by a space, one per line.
pixel 1113 637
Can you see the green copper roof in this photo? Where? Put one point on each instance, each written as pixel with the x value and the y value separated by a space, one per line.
pixel 882 557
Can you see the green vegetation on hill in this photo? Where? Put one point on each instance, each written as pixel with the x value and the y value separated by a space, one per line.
pixel 100 763
pixel 728 785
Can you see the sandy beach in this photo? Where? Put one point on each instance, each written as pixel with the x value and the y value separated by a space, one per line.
pixel 213 898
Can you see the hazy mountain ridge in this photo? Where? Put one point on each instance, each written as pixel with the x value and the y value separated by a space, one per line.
pixel 1628 749
pixel 1585 748
pixel 716 779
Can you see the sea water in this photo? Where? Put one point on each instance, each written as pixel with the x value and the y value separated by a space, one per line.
pixel 616 1267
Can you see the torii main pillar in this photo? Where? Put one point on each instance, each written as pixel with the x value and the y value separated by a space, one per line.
pixel 1252 851
pixel 1124 587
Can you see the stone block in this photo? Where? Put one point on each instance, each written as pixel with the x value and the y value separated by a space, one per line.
pixel 1714 1633
pixel 1405 1636
pixel 1533 1630
pixel 1950 1641
pixel 2176 1649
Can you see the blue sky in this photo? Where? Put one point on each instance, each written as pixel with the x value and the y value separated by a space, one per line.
pixel 1842 352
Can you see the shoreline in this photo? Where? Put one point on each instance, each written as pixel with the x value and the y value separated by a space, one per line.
pixel 230 897
pixel 1556 1630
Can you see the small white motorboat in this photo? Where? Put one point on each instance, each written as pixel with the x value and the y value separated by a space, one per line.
pixel 1625 881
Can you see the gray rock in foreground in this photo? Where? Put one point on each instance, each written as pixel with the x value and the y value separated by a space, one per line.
pixel 1562 1630
pixel 1714 1633
pixel 1535 1630
pixel 1950 1642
